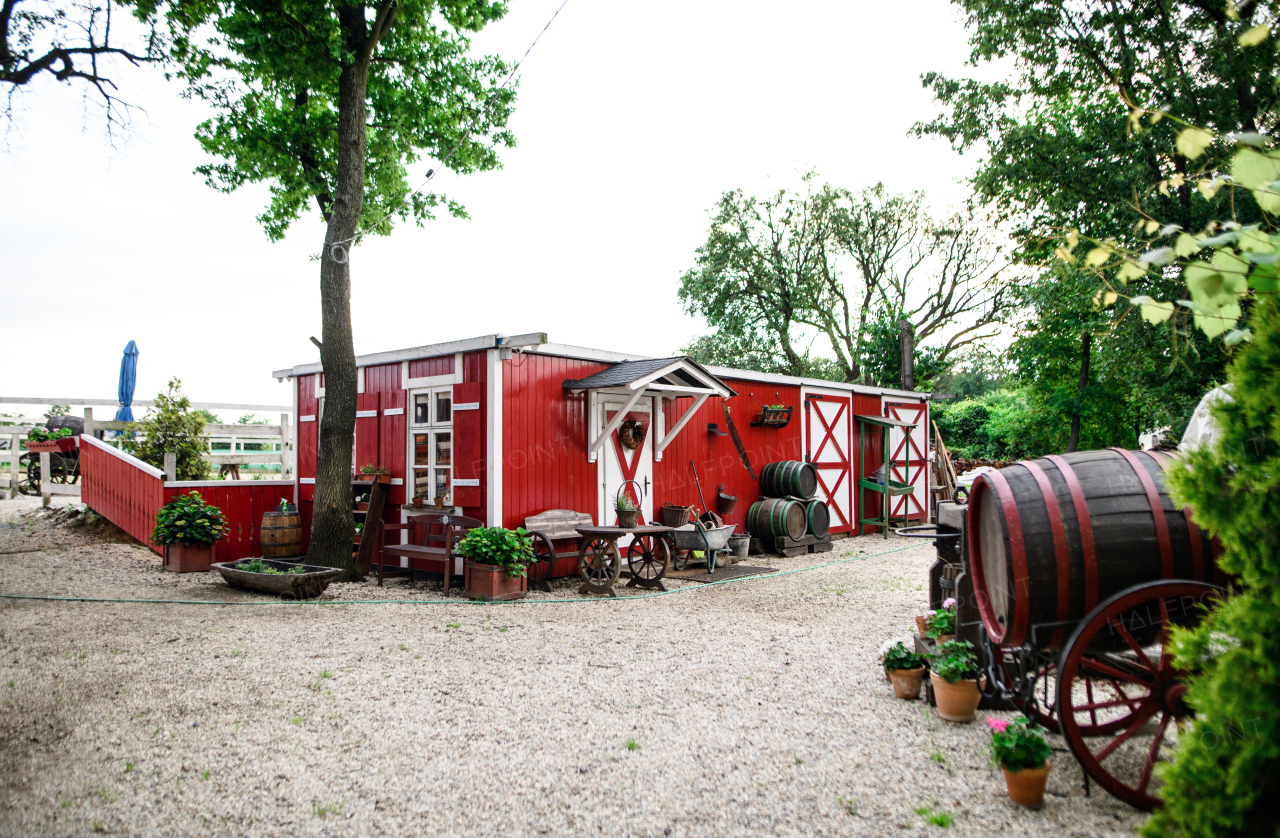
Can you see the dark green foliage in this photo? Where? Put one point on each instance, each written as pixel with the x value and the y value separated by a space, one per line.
pixel 511 549
pixel 942 621
pixel 1015 747
pixel 1225 780
pixel 900 657
pixel 172 426
pixel 187 519
pixel 1001 425
pixel 954 661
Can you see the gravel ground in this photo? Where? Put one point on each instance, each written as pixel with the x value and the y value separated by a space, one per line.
pixel 754 708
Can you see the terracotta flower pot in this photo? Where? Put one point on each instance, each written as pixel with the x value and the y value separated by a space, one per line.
pixel 956 702
pixel 906 682
pixel 188 558
pixel 1026 787
pixel 922 627
pixel 417 503
pixel 945 638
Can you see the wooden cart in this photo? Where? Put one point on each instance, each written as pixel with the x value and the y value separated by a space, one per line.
pixel 600 558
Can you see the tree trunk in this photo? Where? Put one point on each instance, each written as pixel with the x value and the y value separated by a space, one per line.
pixel 907 346
pixel 332 523
pixel 1074 440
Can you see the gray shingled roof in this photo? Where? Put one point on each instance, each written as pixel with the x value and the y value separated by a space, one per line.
pixel 620 375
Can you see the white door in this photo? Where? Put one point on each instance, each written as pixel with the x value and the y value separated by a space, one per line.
pixel 621 464
pixel 910 465
pixel 827 441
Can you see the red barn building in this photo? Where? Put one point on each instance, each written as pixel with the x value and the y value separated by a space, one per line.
pixel 513 426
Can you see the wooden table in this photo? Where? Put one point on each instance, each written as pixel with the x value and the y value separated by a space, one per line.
pixel 600 560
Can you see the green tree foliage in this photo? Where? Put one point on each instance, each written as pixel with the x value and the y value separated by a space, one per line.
pixel 1226 779
pixel 804 282
pixel 172 427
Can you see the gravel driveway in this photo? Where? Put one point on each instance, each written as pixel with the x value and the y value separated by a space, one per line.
pixel 743 709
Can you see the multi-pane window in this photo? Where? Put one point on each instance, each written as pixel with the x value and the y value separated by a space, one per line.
pixel 431 442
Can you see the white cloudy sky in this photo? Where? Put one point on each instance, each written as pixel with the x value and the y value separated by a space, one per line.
pixel 631 120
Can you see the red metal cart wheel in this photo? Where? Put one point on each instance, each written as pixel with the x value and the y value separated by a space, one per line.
pixel 1119 695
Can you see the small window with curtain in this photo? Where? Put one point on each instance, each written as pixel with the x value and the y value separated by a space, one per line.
pixel 431 442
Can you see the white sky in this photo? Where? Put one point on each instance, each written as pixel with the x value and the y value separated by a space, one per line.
pixel 631 121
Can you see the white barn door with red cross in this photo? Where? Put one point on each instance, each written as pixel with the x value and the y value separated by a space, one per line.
pixel 910 465
pixel 618 464
pixel 827 443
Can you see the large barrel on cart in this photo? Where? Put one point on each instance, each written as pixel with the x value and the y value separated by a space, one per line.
pixel 1081 565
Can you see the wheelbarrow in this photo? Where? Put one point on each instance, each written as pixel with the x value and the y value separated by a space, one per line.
pixel 711 540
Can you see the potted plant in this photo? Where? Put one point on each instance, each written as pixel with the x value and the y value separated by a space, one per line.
pixel 362 503
pixel 953 670
pixel 940 625
pixel 187 528
pixel 417 500
pixel 922 625
pixel 1024 756
pixel 497 562
pixel 60 440
pixel 438 500
pixel 628 512
pixel 377 474
pixel 905 669
pixel 359 533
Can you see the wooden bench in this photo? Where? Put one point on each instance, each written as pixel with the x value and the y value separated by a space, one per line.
pixel 435 553
pixel 547 528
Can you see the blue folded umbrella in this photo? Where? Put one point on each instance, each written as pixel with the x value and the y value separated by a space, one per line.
pixel 128 378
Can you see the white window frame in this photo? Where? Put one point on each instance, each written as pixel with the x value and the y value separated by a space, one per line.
pixel 433 426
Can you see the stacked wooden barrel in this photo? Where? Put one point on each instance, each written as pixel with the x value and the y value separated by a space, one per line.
pixel 788 507
pixel 281 534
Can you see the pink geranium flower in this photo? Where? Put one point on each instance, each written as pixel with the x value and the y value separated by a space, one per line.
pixel 948 602
pixel 997 725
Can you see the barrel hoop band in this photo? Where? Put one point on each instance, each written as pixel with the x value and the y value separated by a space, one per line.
pixel 1059 538
pixel 1157 510
pixel 1193 531
pixel 997 631
pixel 1018 553
pixel 1085 524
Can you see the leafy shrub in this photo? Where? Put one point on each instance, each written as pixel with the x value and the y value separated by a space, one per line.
pixel 510 549
pixel 899 656
pixel 1228 763
pixel 954 661
pixel 258 566
pixel 173 427
pixel 187 519
pixel 942 621
pixel 41 435
pixel 1015 747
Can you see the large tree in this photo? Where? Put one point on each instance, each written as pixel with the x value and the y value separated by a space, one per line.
pixel 330 104
pixel 800 282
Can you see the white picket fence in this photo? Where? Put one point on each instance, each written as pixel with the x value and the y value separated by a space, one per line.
pixel 263 446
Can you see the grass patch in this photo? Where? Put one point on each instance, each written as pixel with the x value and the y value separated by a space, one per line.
pixel 235 653
pixel 98 827
pixel 66 804
pixel 128 766
pixel 942 819
pixel 107 795
pixel 632 745
pixel 324 673
pixel 850 806
pixel 296 720
pixel 324 810
pixel 937 757
pixel 453 625
pixel 204 775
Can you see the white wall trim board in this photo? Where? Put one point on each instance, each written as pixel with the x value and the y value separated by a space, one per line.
pixel 196 484
pixel 428 351
pixel 430 381
pixel 359 379
pixel 493 450
pixel 128 458
pixel 268 408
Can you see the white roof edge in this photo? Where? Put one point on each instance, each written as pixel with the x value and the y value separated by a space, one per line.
pixel 775 378
pixel 429 351
pixel 584 353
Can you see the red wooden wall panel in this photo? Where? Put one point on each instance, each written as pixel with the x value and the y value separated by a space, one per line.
pixel 384 378
pixel 468 454
pixel 308 445
pixel 475 370
pixel 425 367
pixel 368 430
pixel 243 503
pixel 544 438
pixel 394 442
pixel 864 405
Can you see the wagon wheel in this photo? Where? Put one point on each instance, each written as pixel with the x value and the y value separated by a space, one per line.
pixel 648 558
pixel 544 562
pixel 29 478
pixel 598 563
pixel 1118 690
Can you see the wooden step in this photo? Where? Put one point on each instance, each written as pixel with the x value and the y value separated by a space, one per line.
pixel 792 546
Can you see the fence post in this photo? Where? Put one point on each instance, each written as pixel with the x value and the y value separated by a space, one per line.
pixel 170 466
pixel 88 421
pixel 44 477
pixel 15 451
pixel 285 464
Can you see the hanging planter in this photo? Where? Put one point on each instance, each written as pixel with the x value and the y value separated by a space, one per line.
pixel 772 415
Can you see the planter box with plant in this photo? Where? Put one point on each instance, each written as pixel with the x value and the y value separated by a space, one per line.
pixel 497 562
pixel 628 512
pixel 940 625
pixel 188 528
pixel 1024 756
pixel 417 500
pixel 953 673
pixel 283 579
pixel 378 474
pixel 905 669
pixel 60 440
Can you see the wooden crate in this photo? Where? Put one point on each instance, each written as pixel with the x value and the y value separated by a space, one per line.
pixel 792 546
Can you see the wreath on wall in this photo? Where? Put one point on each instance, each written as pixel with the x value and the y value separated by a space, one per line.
pixel 631 434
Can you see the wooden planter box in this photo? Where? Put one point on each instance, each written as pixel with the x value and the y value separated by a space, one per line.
pixel 772 417
pixel 61 446
pixel 188 558
pixel 490 583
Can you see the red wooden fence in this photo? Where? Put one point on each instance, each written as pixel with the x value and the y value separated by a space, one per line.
pixel 129 493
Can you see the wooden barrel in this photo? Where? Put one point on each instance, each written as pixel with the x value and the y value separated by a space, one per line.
pixel 1050 539
pixel 281 535
pixel 817 518
pixel 776 517
pixel 788 477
